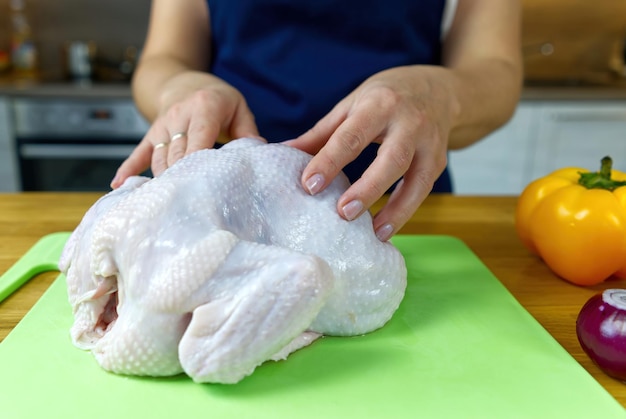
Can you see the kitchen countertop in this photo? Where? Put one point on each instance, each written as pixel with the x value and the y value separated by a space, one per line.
pixel 573 92
pixel 485 224
pixel 66 90
pixel 122 90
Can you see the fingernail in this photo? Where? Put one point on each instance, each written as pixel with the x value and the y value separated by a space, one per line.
pixel 114 182
pixel 384 232
pixel 352 209
pixel 314 183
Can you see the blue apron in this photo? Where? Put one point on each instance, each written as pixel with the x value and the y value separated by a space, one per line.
pixel 293 61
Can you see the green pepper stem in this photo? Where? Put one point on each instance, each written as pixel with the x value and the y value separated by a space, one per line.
pixel 601 179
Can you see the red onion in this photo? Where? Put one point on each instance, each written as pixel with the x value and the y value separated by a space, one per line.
pixel 601 331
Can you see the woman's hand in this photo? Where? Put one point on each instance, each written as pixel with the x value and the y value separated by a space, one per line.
pixel 409 111
pixel 203 108
pixel 188 108
pixel 416 113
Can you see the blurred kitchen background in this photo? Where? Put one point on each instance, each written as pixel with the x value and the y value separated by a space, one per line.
pixel 112 26
pixel 67 118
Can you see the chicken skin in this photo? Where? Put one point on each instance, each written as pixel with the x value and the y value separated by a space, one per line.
pixel 221 263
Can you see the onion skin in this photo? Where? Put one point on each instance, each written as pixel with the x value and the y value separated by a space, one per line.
pixel 601 331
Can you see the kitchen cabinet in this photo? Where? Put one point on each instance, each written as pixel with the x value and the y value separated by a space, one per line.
pixel 580 135
pixel 542 136
pixel 9 182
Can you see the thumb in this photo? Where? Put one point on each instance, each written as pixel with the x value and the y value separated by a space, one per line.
pixel 136 163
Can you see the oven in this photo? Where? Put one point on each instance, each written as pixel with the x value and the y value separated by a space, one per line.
pixel 73 144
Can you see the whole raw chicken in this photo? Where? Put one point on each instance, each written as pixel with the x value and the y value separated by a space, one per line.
pixel 222 263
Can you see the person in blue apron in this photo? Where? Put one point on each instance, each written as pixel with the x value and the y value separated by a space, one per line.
pixel 379 89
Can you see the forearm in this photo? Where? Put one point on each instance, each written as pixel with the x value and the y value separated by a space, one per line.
pixel 482 56
pixel 161 81
pixel 178 43
pixel 487 94
pixel 149 81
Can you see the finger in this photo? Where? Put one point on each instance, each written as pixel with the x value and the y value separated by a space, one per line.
pixel 409 194
pixel 243 124
pixel 392 161
pixel 344 145
pixel 159 158
pixel 205 126
pixel 157 139
pixel 172 127
pixel 136 163
pixel 141 157
pixel 177 146
pixel 315 138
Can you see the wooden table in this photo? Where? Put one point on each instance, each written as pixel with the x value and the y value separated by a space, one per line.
pixel 485 224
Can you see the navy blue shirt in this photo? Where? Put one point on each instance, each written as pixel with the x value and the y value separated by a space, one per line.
pixel 293 61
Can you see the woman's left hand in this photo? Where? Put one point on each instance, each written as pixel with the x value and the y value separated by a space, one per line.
pixel 409 111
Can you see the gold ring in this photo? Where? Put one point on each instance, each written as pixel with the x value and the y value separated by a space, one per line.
pixel 160 145
pixel 178 136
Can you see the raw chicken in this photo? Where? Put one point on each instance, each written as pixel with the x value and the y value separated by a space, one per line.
pixel 222 263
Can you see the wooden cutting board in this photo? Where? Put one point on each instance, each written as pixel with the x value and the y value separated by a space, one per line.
pixel 460 346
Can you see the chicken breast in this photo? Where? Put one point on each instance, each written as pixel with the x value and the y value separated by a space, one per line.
pixel 222 263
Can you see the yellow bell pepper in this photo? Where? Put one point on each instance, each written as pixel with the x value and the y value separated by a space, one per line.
pixel 575 220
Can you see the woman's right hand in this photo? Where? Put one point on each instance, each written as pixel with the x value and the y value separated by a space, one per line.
pixel 198 108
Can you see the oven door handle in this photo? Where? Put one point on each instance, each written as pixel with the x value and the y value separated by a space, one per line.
pixel 75 151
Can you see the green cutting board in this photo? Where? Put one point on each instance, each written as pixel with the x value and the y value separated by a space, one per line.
pixel 460 346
